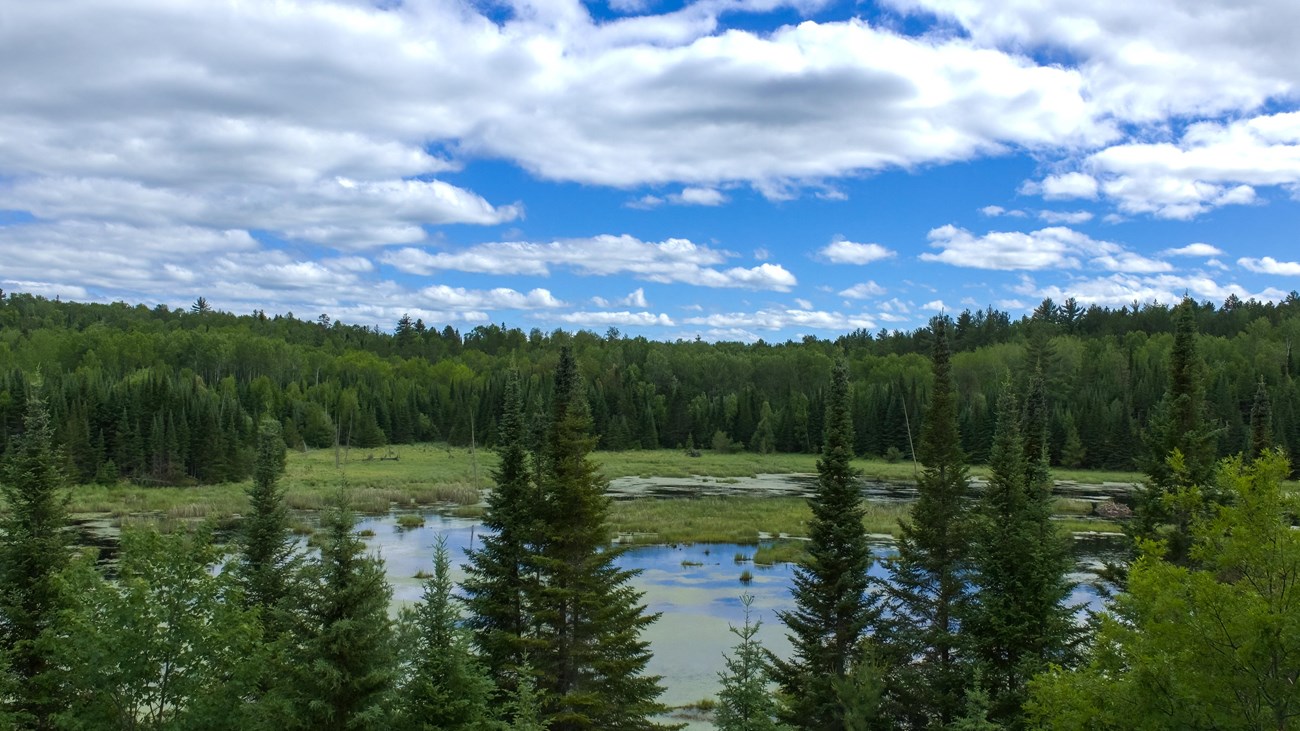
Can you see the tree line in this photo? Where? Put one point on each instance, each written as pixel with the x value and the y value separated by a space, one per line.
pixel 173 396
pixel 972 630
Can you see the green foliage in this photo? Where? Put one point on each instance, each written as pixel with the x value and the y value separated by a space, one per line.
pixel 1211 647
pixel 268 561
pixel 33 550
pixel 166 644
pixel 443 687
pixel 1261 423
pixel 928 588
pixel 522 705
pixel 1181 449
pixel 588 653
pixel 346 664
pixel 833 607
pixel 498 572
pixel 744 703
pixel 1017 621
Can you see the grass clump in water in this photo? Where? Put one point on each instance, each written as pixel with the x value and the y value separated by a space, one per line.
pixel 410 520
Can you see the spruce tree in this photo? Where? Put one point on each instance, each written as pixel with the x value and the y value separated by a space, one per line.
pixel 346 666
pixel 1180 458
pixel 589 654
pixel 34 548
pixel 268 557
pixel 833 607
pixel 928 586
pixel 444 687
pixel 744 703
pixel 497 573
pixel 1017 623
pixel 1261 423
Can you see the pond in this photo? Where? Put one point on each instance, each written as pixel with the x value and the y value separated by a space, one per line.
pixel 695 588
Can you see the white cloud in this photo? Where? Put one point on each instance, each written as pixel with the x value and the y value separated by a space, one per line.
pixel 672 260
pixel 782 319
pixel 849 252
pixel 1269 265
pixel 1064 186
pixel 803 303
pixel 1122 289
pixel 994 211
pixel 460 298
pixel 863 290
pixel 1072 217
pixel 689 196
pixel 1146 61
pixel 639 319
pixel 1197 249
pixel 934 306
pixel 1055 247
pixel 636 298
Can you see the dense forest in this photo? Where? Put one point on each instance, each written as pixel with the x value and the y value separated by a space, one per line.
pixel 971 627
pixel 170 396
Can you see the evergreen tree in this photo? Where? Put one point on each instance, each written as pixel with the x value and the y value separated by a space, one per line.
pixel 833 609
pixel 1017 622
pixel 33 550
pixel 346 666
pixel 268 559
pixel 1180 449
pixel 589 655
pixel 928 577
pixel 1261 423
pixel 444 687
pixel 744 703
pixel 523 707
pixel 497 573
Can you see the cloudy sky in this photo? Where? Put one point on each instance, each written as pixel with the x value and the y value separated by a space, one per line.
pixel 732 169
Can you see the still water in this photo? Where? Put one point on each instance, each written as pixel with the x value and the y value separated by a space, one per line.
pixel 696 589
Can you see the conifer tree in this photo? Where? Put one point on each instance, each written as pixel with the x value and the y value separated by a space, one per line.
pixel 523 707
pixel 268 559
pixel 33 550
pixel 497 573
pixel 1017 622
pixel 444 688
pixel 347 663
pixel 744 703
pixel 589 654
pixel 833 608
pixel 1180 459
pixel 928 591
pixel 1261 423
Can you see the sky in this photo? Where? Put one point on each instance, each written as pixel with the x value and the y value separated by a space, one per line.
pixel 722 169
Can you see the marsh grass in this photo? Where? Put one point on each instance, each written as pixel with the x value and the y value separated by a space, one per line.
pixel 777 552
pixel 408 521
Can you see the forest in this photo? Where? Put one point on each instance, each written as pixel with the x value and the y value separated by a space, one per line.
pixel 970 628
pixel 171 396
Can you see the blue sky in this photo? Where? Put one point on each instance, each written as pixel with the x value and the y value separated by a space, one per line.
pixel 729 169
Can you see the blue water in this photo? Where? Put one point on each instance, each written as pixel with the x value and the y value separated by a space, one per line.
pixel 696 603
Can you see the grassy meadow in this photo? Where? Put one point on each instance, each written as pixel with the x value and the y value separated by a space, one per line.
pixel 435 474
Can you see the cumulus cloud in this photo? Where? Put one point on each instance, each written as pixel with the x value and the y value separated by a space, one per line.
pixel 1269 265
pixel 1121 289
pixel 460 298
pixel 849 252
pixel 1147 61
pixel 1058 187
pixel 782 319
pixel 1212 164
pixel 863 290
pixel 1055 247
pixel 672 260
pixel 994 211
pixel 1071 217
pixel 602 318
pixel 1197 249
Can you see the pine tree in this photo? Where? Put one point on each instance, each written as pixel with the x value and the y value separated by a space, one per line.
pixel 744 703
pixel 346 665
pixel 928 591
pixel 589 656
pixel 33 550
pixel 522 705
pixel 833 608
pixel 444 688
pixel 498 572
